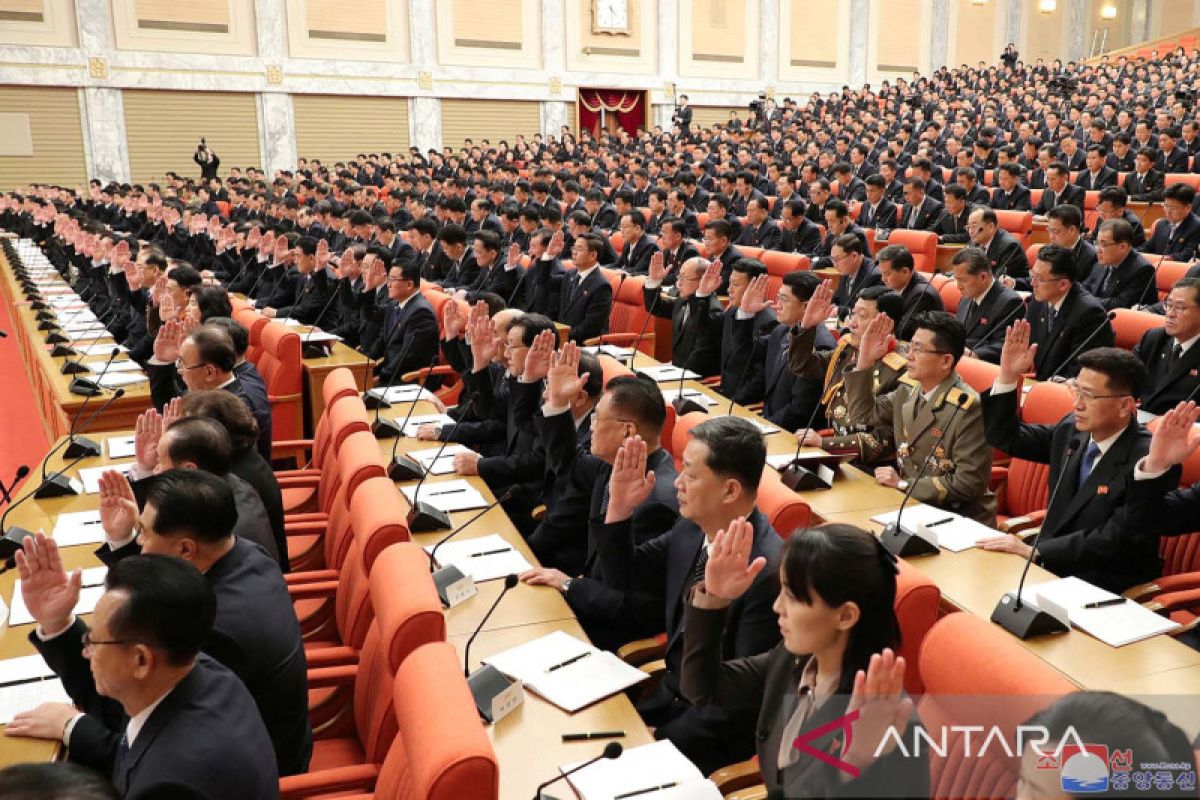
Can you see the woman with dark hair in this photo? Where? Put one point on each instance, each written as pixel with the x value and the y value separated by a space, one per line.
pixel 830 694
pixel 1122 725
pixel 247 463
pixel 212 301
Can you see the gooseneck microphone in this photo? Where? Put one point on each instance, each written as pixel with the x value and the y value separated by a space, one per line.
pixel 611 750
pixel 1108 318
pixel 424 516
pixel 487 682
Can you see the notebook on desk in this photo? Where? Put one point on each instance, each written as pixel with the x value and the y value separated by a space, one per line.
pixel 1114 623
pixel 655 771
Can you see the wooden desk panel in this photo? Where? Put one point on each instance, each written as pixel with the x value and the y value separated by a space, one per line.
pixel 315 371
pixel 528 742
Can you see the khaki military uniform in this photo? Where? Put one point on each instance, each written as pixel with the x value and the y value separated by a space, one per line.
pixel 961 465
pixel 871 444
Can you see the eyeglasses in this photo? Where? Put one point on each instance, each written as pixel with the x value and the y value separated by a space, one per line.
pixel 89 642
pixel 1088 396
pixel 1035 278
pixel 921 350
pixel 1178 307
pixel 180 366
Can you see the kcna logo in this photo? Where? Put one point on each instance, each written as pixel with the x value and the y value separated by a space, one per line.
pixel 973 741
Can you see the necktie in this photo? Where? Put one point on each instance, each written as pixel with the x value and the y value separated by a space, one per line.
pixel 1171 233
pixel 1089 461
pixel 1051 316
pixel 698 569
pixel 1107 284
pixel 1176 354
pixel 122 755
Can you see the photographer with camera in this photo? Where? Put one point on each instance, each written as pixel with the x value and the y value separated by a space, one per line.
pixel 207 160
pixel 682 118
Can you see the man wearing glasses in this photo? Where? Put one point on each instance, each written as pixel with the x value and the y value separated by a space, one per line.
pixel 1170 353
pixel 1091 453
pixel 933 415
pixel 857 272
pixel 1177 234
pixel 1122 278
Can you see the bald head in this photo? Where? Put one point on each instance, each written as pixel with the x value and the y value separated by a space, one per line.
pixel 690 274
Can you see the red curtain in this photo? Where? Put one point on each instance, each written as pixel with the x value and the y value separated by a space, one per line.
pixel 627 106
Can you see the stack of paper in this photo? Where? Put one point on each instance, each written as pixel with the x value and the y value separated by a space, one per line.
pixel 568 672
pixel 654 771
pixel 484 559
pixel 404 393
pixel 121 447
pixel 953 532
pixel 317 336
pixel 100 349
pixel 763 426
pixel 113 380
pixel 1117 624
pixel 619 353
pixel 123 366
pixel 417 420
pixel 447 496
pixel 90 477
pixel 444 464
pixel 78 527
pixel 26 683
pixel 667 372
pixel 89 595
pixel 669 396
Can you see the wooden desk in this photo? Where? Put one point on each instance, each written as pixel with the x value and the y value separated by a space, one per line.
pixel 55 402
pixel 528 742
pixel 946 252
pixel 317 369
pixel 1039 234
pixel 1148 213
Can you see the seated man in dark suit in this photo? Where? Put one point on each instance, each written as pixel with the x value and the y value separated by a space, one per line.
pixel 1010 193
pixel 799 234
pixel 759 230
pixel 898 274
pixel 1004 253
pixel 876 212
pixel 857 272
pixel 951 226
pixel 629 406
pixel 789 400
pixel 722 466
pixel 1063 316
pixel 1091 454
pixel 1170 354
pixel 1064 226
pixel 920 211
pixel 499 273
pixel 719 236
pixel 1123 278
pixel 986 306
pixel 635 255
pixel 1145 184
pixel 1177 234
pixel 1058 190
pixel 408 337
pixel 740 379
pixel 1113 204
pixel 601 215
pixel 838 223
pixel 1096 174
pixel 676 249
pixel 968 178
pixel 194 712
pixel 585 296
pixel 312 288
pixel 695 313
pixel 1171 158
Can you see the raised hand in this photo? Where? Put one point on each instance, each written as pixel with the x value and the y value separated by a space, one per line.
pixel 876 340
pixel 452 321
pixel 710 281
pixel 158 290
pixel 514 254
pixel 146 433
pixel 754 298
pixel 1017 356
pixel 878 699
pixel 49 592
pixel 729 571
pixel 657 270
pixel 557 242
pixel 820 306
pixel 168 341
pixel 630 483
pixel 171 412
pixel 281 249
pixel 537 360
pixel 118 508
pixel 484 343
pixel 1175 438
pixel 563 380
pixel 323 254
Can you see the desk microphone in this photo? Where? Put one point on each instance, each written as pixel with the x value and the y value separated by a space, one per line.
pixel 307 349
pixel 796 477
pixel 448 574
pixel 87 387
pixel 367 397
pixel 645 324
pixel 1153 278
pixel 425 516
pixel 63 348
pixel 1019 617
pixel 894 538
pixel 14 536
pixel 611 750
pixel 52 487
pixel 383 428
pixel 83 444
pixel 403 467
pixel 487 681
pixel 7 491
pixel 258 280
pixel 1108 318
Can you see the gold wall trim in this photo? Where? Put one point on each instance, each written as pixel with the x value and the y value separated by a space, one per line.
pixel 22 16
pixel 190 27
pixel 348 36
pixel 485 44
pixel 804 62
pixel 612 51
pixel 41 66
pixel 897 68
pixel 717 57
pixel 176 70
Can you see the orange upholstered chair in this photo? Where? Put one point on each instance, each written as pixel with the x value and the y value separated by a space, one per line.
pixel 784 509
pixel 1018 223
pixel 303 491
pixel 254 323
pixel 612 368
pixel 947 288
pixel 628 316
pixel 280 368
pixel 681 432
pixel 1026 492
pixel 779 264
pixel 1130 326
pixel 979 374
pixel 1167 275
pixel 918 602
pixel 308 453
pixel 977 674
pixel 922 245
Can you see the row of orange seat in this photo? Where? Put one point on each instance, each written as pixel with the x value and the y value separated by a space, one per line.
pixel 275 351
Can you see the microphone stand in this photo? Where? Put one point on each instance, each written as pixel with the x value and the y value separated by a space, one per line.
pixel 7 491
pixel 87 387
pixel 1019 617
pixel 611 750
pixel 424 516
pixel 796 477
pixel 58 484
pixel 1108 318
pixel 488 683
pixel 368 398
pixel 894 538
pixel 308 349
pixel 404 467
pixel 448 575
pixel 385 428
pixel 80 445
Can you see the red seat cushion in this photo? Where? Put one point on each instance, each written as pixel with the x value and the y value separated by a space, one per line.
pixel 339 752
pixel 299 498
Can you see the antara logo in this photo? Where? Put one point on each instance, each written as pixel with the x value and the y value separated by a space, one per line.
pixel 976 741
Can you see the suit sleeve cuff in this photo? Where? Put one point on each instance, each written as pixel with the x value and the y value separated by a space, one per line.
pixel 744 315
pixel 1140 473
pixel 46 637
pixel 651 283
pixel 69 727
pixel 553 411
pixel 1002 388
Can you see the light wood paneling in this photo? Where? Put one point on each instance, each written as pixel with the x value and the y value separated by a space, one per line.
pixel 1043 33
pixel 211 16
pixel 353 20
pixel 898 47
pixel 814 33
pixel 974 37
pixel 56 133
pixel 1177 16
pixel 719 30
pixel 163 128
pixel 1117 27
pixel 487 23
pixel 488 119
pixel 705 116
pixel 22 10
pixel 336 128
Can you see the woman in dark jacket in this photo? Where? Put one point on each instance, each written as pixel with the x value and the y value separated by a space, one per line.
pixel 831 693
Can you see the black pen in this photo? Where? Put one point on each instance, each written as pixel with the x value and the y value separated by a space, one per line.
pixel 587 737
pixel 569 661
pixel 492 552
pixel 1112 601
pixel 647 790
pixel 444 491
pixel 939 522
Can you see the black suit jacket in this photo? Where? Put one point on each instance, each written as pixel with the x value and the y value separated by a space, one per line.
pixel 252 468
pixel 585 308
pixel 1132 282
pixel 1016 200
pixel 741 377
pixel 1084 533
pixel 635 259
pixel 805 240
pixel 696 342
pixel 674 259
pixel 883 216
pixel 1079 318
pixel 208 719
pixel 1007 258
pixel 1107 177
pixel 985 321
pixel 767 236
pixel 926 217
pixel 788 400
pixel 919 296
pixel 1173 162
pixel 848 288
pixel 951 229
pixel 1071 195
pixel 1180 247
pixel 415 343
pixel 1145 188
pixel 1167 383
pixel 311 296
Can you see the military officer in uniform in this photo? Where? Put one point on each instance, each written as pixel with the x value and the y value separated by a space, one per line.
pixel 933 415
pixel 870 444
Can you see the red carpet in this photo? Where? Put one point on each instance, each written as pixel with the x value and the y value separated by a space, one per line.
pixel 22 440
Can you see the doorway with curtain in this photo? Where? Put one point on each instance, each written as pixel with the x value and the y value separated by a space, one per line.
pixel 611 110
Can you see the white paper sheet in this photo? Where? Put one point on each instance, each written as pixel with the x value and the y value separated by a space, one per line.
pixel 90 477
pixel 28 696
pixel 669 396
pixel 487 558
pixel 120 366
pixel 100 349
pixel 116 380
pixel 89 595
pixel 404 393
pixel 1115 625
pixel 317 337
pixel 447 496
pixel 417 420
pixel 121 447
pixel 445 462
pixel 78 527
pixel 640 768
pixel 667 372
